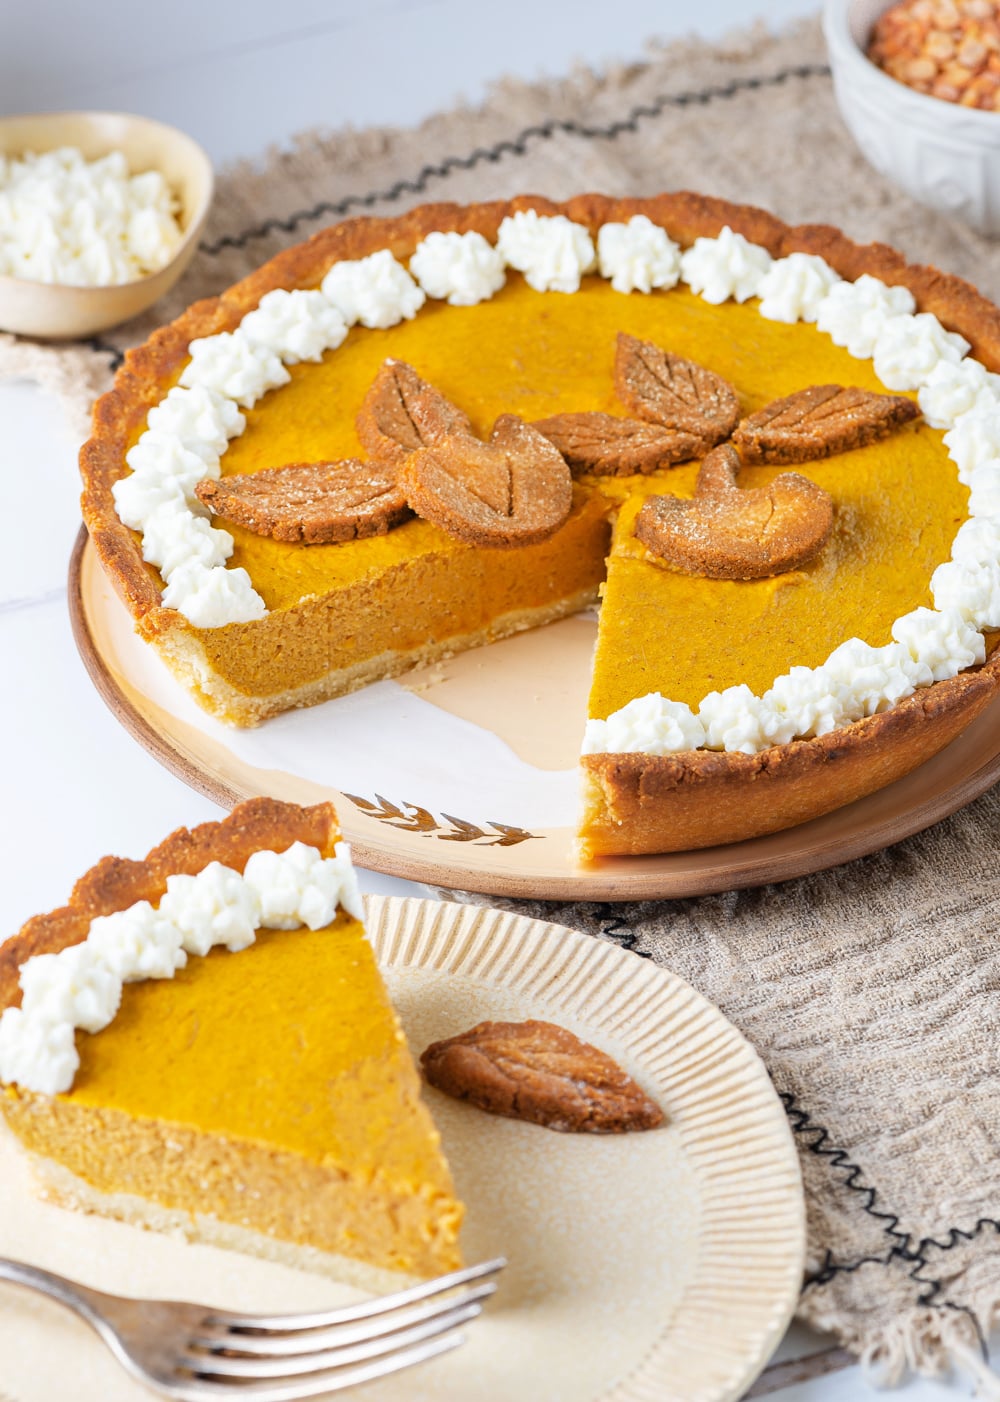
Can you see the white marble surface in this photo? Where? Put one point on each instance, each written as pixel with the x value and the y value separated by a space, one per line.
pixel 240 75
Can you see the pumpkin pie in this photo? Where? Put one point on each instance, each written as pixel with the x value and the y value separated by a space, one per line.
pixel 338 615
pixel 262 1097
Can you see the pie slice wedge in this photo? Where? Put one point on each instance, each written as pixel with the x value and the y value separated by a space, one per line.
pixel 263 1098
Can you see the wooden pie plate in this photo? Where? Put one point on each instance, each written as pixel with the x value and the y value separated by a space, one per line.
pixel 665 1264
pixel 446 776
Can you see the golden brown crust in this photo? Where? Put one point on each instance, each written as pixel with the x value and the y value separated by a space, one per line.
pixel 118 882
pixel 673 803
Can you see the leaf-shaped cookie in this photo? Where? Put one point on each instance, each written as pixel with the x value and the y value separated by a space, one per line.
pixel 311 503
pixel 539 1072
pixel 723 532
pixel 615 447
pixel 514 490
pixel 663 388
pixel 402 412
pixel 820 421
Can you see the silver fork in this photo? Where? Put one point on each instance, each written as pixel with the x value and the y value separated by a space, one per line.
pixel 197 1354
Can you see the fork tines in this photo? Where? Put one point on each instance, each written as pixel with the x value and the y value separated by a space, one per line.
pixel 277 1358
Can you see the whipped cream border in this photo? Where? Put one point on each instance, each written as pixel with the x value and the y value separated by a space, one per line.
pixel 909 350
pixel 81 986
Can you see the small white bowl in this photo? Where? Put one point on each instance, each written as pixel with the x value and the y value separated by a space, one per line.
pixel 57 311
pixel 944 155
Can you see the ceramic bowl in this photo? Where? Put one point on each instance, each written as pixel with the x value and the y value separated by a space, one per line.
pixel 55 310
pixel 944 155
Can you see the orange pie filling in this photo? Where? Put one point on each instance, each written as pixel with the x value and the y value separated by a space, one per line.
pixel 366 608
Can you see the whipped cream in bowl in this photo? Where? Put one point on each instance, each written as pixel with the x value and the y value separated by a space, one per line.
pixel 100 213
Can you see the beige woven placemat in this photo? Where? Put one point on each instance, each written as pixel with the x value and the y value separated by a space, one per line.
pixel 871 991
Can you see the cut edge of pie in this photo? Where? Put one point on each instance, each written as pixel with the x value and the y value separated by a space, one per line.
pixel 303 1204
pixel 636 803
pixel 633 803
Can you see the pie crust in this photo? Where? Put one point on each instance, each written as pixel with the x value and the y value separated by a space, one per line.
pixel 633 803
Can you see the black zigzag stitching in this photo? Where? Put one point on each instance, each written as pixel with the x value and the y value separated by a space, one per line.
pixel 513 146
pixel 956 1236
pixel 115 356
pixel 934 1287
pixel 902 1248
pixel 616 931
pixel 818 1142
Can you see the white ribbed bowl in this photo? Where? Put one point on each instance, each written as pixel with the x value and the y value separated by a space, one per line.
pixel 944 155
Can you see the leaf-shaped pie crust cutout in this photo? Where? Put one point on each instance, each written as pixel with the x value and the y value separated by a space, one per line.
pixel 402 412
pixel 723 532
pixel 612 447
pixel 542 1073
pixel 514 490
pixel 663 388
pixel 820 421
pixel 310 503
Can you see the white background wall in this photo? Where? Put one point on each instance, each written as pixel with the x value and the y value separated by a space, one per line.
pixel 240 75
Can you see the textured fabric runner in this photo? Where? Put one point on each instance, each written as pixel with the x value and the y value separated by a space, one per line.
pixel 871 991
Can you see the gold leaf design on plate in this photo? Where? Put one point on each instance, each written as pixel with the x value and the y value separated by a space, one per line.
pixel 421 820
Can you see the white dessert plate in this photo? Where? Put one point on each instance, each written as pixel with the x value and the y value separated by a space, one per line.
pixel 661 1264
pixel 464 774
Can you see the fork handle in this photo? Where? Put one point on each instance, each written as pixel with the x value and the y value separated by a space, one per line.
pixel 75 1297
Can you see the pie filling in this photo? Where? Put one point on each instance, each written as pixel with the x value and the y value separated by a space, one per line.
pixel 325 1135
pixel 264 1087
pixel 898 506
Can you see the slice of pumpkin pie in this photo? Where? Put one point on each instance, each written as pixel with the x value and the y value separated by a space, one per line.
pixel 201 1041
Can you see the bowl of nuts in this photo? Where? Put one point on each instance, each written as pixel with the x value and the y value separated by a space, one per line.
pixel 918 86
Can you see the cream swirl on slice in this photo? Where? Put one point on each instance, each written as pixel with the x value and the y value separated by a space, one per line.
pixel 81 987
